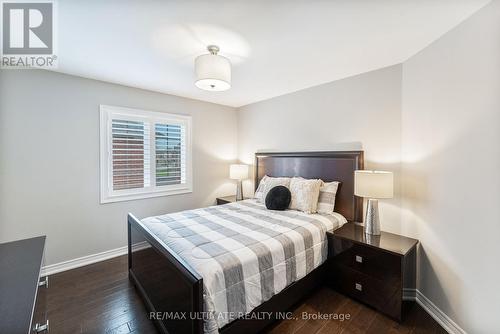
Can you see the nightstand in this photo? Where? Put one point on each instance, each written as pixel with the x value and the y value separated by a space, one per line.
pixel 375 270
pixel 227 199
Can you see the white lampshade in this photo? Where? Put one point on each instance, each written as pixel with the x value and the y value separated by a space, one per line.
pixel 213 72
pixel 238 172
pixel 373 184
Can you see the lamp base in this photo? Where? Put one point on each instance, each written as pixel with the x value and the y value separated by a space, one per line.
pixel 372 221
pixel 239 191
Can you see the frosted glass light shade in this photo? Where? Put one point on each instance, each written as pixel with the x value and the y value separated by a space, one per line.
pixel 213 72
pixel 373 184
pixel 238 172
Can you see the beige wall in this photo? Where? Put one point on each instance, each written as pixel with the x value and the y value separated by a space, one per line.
pixel 361 112
pixel 49 160
pixel 451 164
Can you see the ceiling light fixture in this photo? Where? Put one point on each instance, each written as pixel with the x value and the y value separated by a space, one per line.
pixel 213 72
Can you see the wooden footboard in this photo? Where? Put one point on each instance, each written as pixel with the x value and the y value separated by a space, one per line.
pixel 172 291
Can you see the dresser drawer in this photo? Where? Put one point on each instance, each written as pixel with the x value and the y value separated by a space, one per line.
pixel 40 321
pixel 384 296
pixel 372 262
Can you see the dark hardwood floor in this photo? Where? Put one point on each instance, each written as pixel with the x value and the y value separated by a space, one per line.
pixel 100 299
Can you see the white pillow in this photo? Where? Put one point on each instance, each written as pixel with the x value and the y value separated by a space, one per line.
pixel 305 194
pixel 326 200
pixel 260 188
pixel 272 182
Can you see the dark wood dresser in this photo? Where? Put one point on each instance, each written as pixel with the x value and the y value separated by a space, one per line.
pixel 21 287
pixel 372 269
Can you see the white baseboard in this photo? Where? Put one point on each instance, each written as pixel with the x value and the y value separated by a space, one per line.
pixel 441 318
pixel 82 261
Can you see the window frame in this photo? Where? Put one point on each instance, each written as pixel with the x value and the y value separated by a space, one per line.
pixel 107 114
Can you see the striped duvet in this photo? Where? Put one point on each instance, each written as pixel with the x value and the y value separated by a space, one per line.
pixel 244 252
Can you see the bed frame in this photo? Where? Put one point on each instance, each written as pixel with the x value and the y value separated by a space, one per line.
pixel 173 291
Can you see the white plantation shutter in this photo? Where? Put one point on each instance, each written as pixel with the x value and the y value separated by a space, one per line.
pixel 130 154
pixel 170 149
pixel 143 154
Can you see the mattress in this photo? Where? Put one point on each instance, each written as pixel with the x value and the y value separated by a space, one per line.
pixel 244 252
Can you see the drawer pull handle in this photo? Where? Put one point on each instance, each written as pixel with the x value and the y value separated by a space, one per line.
pixel 359 259
pixel 41 328
pixel 358 287
pixel 45 282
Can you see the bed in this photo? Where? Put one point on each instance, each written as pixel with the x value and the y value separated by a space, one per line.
pixel 238 267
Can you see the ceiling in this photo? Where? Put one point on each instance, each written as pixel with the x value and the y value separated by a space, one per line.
pixel 276 47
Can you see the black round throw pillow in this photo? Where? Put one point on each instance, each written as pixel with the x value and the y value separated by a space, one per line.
pixel 278 198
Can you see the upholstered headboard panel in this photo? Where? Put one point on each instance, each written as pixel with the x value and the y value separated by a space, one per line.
pixel 328 166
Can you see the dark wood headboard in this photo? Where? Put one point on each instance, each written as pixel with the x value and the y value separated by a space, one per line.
pixel 328 166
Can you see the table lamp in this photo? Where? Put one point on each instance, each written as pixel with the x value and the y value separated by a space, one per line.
pixel 373 185
pixel 238 172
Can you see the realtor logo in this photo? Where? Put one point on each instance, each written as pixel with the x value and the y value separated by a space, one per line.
pixel 28 34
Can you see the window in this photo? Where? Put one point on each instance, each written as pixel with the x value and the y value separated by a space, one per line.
pixel 144 154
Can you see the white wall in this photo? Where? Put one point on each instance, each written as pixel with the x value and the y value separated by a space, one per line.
pixel 435 122
pixel 361 112
pixel 451 164
pixel 49 160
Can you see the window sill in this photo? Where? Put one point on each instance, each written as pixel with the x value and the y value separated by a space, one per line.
pixel 133 197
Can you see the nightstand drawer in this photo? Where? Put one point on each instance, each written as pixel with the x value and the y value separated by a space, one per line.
pixel 372 262
pixel 372 269
pixel 227 200
pixel 376 293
